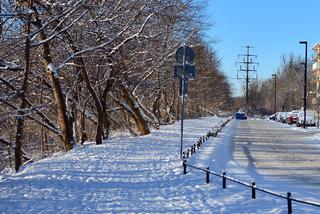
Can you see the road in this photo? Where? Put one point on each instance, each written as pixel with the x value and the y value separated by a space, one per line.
pixel 275 152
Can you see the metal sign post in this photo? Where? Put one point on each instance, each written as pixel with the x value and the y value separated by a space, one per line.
pixel 182 115
pixel 184 70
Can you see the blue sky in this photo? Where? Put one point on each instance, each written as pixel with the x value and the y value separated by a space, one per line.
pixel 273 27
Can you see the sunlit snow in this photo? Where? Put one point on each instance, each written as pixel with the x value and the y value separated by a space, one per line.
pixel 141 175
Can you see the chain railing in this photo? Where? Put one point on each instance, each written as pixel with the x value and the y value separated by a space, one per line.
pixel 212 133
pixel 252 186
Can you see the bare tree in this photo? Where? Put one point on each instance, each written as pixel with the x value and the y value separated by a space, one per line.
pixel 104 65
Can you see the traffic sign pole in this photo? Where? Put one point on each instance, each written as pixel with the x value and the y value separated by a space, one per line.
pixel 182 104
pixel 184 70
pixel 182 116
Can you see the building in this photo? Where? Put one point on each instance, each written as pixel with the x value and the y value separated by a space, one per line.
pixel 316 74
pixel 316 68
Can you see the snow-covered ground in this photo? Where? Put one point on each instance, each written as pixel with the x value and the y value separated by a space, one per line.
pixel 140 175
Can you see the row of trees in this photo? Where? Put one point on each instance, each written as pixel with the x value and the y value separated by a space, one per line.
pixel 77 69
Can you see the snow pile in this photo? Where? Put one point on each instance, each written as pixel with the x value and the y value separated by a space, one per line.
pixel 137 175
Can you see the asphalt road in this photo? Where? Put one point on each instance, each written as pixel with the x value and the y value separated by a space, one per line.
pixel 278 152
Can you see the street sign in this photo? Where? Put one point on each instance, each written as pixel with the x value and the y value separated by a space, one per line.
pixel 188 55
pixel 187 71
pixel 178 71
pixel 184 70
pixel 190 71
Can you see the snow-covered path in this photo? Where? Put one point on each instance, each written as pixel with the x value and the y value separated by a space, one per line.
pixel 138 175
pixel 126 174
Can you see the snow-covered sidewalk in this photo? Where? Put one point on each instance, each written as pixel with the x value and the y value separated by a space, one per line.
pixel 125 174
pixel 136 175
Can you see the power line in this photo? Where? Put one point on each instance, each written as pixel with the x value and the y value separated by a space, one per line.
pixel 249 67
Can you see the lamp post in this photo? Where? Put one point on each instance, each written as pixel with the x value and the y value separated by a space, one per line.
pixel 305 82
pixel 275 93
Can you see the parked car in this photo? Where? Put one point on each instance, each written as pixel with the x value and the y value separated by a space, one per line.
pixel 278 116
pixel 284 116
pixel 273 116
pixel 281 116
pixel 310 118
pixel 293 117
pixel 241 116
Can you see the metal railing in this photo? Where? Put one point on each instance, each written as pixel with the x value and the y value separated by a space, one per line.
pixel 253 186
pixel 212 133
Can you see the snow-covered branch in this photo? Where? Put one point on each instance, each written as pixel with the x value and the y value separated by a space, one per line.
pixel 5 141
pixel 57 33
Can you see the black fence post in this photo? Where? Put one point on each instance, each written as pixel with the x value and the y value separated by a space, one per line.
pixel 191 150
pixel 253 192
pixel 194 148
pixel 184 167
pixel 188 153
pixel 224 180
pixel 207 175
pixel 289 202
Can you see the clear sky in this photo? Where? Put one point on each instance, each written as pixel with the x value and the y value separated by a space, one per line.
pixel 273 27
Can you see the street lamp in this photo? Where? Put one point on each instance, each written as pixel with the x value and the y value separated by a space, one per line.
pixel 305 82
pixel 275 93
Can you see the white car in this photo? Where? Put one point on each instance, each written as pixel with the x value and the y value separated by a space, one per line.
pixel 310 118
pixel 278 117
pixel 281 116
pixel 284 117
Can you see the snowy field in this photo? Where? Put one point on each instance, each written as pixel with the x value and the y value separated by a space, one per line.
pixel 141 175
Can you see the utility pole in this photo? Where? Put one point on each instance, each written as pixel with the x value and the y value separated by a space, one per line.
pixel 249 67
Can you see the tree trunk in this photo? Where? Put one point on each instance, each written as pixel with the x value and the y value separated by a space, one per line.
pixel 83 133
pixel 106 121
pixel 63 119
pixel 156 105
pixel 135 112
pixel 22 94
pixel 98 104
pixel 79 60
